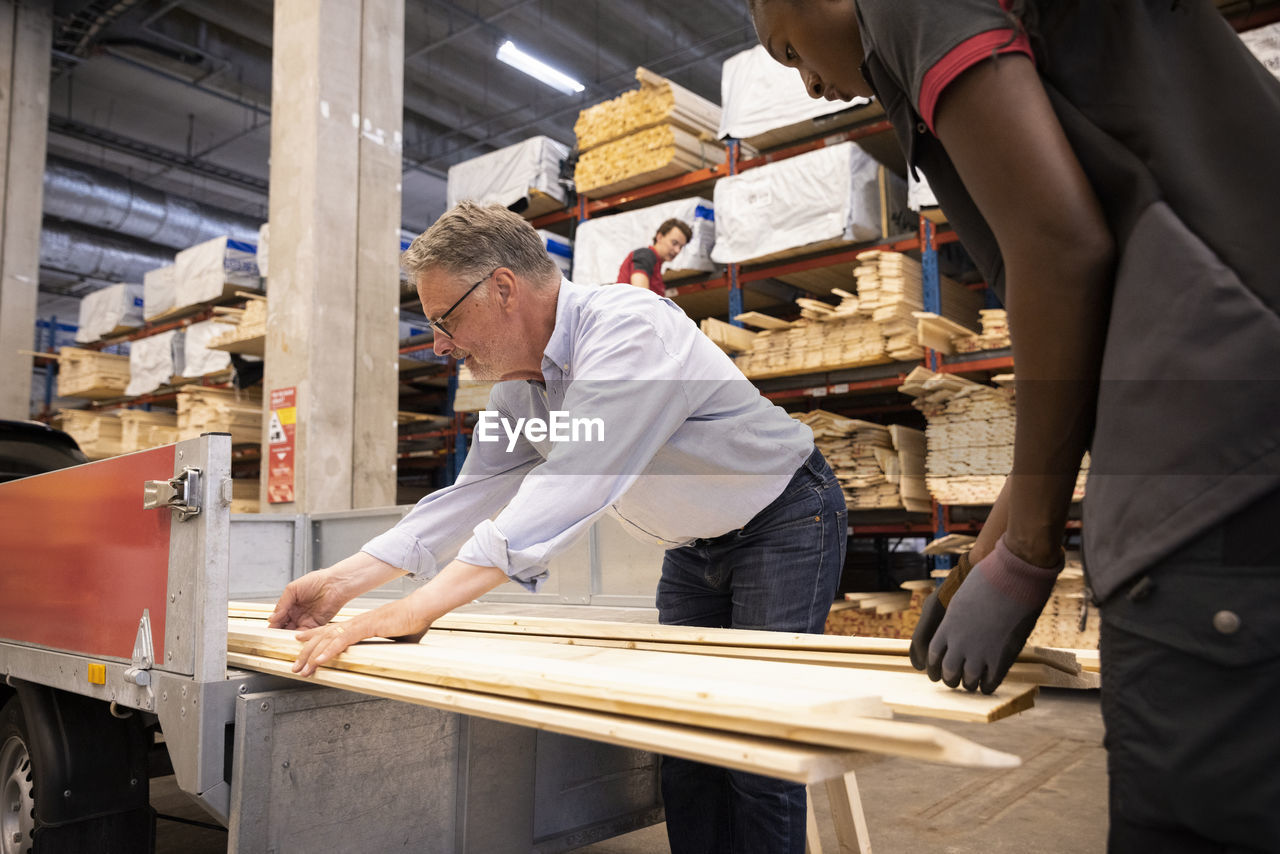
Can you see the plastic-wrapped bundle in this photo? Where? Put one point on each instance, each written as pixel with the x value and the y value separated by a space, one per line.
pixel 108 309
pixel 214 269
pixel 833 195
pixel 524 177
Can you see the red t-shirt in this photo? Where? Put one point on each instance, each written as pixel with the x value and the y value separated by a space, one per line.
pixel 644 261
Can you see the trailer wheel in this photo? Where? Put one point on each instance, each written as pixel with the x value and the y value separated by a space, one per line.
pixel 17 791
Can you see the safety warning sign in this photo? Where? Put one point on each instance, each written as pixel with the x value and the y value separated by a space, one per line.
pixel 280 444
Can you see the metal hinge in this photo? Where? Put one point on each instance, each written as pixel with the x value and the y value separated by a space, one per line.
pixel 180 494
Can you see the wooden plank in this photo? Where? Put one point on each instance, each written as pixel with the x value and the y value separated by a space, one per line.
pixel 801 763
pixel 730 338
pixel 763 321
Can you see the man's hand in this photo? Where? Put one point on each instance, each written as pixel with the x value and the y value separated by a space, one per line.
pixel 308 602
pixel 395 620
pixel 313 599
pixel 988 620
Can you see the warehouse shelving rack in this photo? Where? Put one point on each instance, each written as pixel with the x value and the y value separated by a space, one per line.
pixel 858 381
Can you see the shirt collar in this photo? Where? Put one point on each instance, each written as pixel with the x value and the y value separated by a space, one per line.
pixel 559 348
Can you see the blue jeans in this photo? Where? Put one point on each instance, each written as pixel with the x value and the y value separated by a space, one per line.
pixel 778 572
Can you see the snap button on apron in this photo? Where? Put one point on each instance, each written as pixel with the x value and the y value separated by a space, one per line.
pixel 1226 622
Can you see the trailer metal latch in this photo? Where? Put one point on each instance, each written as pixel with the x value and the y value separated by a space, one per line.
pixel 180 494
pixel 144 658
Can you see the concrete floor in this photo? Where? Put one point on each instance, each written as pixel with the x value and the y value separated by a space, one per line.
pixel 1055 803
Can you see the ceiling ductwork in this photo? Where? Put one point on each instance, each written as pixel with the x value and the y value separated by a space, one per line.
pixel 72 248
pixel 107 200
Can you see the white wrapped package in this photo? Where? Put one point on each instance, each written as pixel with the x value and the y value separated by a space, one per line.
pixel 560 249
pixel 506 176
pixel 759 95
pixel 828 194
pixel 264 236
pixel 1264 42
pixel 214 269
pixel 158 290
pixel 602 243
pixel 919 194
pixel 106 309
pixel 197 358
pixel 154 361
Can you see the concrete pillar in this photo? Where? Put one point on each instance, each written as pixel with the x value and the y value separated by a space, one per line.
pixel 332 325
pixel 26 39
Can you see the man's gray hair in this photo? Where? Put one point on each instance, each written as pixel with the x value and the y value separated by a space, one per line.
pixel 473 240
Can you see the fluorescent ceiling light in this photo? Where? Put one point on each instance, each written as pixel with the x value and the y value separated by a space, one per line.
pixel 536 68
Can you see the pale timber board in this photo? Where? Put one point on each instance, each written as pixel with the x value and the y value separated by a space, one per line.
pixel 1063 660
pixel 797 762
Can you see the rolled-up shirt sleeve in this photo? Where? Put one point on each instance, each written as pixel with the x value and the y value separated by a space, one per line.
pixel 637 385
pixel 429 536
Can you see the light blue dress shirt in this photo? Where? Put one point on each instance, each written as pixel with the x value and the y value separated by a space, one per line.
pixel 674 442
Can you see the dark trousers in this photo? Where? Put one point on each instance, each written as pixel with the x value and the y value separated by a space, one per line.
pixel 1191 696
pixel 779 572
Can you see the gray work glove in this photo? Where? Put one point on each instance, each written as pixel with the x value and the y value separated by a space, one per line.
pixel 988 620
pixel 934 609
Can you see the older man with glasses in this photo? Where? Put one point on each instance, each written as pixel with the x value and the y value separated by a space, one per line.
pixel 690 457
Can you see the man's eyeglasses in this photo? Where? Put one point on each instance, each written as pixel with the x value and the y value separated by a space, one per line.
pixel 437 325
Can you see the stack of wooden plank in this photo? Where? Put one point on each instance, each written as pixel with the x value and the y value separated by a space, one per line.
pixel 218 410
pixel 995 333
pixel 729 338
pixel 91 374
pixel 685 686
pixel 657 131
pixel 1060 623
pixel 97 433
pixel 890 291
pixel 838 341
pixel 250 335
pixel 140 429
pixel 969 437
pixel 878 467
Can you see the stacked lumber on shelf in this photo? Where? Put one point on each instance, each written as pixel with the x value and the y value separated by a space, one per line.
pixel 729 338
pixel 250 333
pixel 91 374
pixel 97 433
pixel 874 464
pixel 995 333
pixel 109 311
pixel 969 437
pixel 140 429
pixel 898 623
pixel 219 410
pixel 214 269
pixel 890 290
pixel 657 131
pixel 825 338
pixel 1060 622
